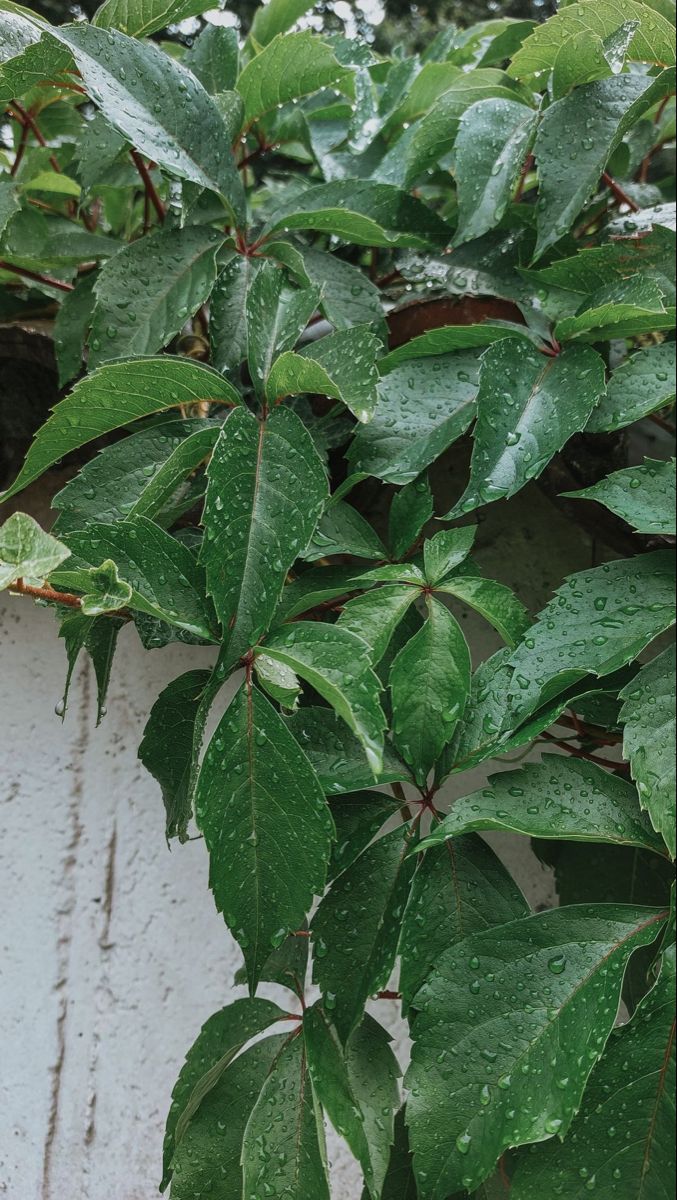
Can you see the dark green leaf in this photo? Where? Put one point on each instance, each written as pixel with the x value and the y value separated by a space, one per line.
pixel 289 67
pixel 621 1140
pixel 228 313
pixel 620 310
pixel 329 1076
pixel 114 396
pixel 511 1023
pixel 158 105
pixel 219 1040
pixel 336 663
pixel 497 603
pixel 147 292
pixel 358 818
pixel 450 338
pixel 458 889
pixel 167 748
pixel 411 509
pixel 214 58
pixel 560 798
pixel 341 366
pixel 643 383
pixel 373 1072
pixel 98 636
pixel 400 1183
pixel 446 551
pixel 275 317
pixel 494 139
pixel 598 621
pixel 375 616
pixel 266 824
pixel 165 578
pixel 337 756
pixel 649 718
pixel 343 530
pixel 430 684
pixel 570 162
pixel 71 328
pixel 315 587
pixel 357 926
pixel 368 214
pixel 528 407
pixel 424 406
pixel 643 496
pixel 260 472
pixel 277 17
pixel 653 41
pixel 348 296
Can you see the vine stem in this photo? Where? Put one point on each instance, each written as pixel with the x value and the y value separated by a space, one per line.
pixel 578 753
pixel 46 593
pixel 617 192
pixel 151 191
pixel 47 279
pixel 28 121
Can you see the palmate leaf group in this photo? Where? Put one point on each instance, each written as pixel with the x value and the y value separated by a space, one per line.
pixel 319 313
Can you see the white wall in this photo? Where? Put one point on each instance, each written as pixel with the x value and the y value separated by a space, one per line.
pixel 112 952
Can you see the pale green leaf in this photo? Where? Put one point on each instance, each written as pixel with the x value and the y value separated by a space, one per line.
pixel 140 18
pixel 108 592
pixel 289 67
pixel 277 17
pixel 653 42
pixel 27 552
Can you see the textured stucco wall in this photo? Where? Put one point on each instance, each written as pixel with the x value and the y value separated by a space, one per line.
pixel 112 952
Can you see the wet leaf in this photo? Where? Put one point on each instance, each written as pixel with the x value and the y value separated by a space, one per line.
pixel 648 715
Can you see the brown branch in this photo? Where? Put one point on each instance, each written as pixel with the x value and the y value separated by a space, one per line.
pixel 46 593
pixel 148 184
pixel 46 279
pixel 578 753
pixel 29 122
pixel 617 192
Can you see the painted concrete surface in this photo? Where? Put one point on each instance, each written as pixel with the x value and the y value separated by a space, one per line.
pixel 112 954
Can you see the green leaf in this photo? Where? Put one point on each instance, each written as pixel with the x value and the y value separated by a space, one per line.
pixel 337 756
pixel 336 664
pixel 430 684
pixel 331 1084
pixel 275 319
pixel 411 509
pixel 580 59
pixel 165 579
pixel 643 496
pixel 260 473
pixel 158 105
pixel 570 163
pixel 51 181
pixel 214 58
pixel 349 297
pixel 9 203
pixel 495 602
pixel 71 327
pixel 277 17
pixel 621 1138
pixel 560 798
pixel 168 743
pixel 27 552
pixel 642 384
pixel 375 616
pixel 315 587
pixel 219 1040
pixel 228 326
pixel 400 1183
pixel 494 139
pixel 619 310
pixel 98 636
pixel 357 926
pixel 449 338
pixel 213 1138
pixel 500 1072
pixel 109 593
pixel 358 818
pixel 598 621
pixel 147 292
pixel 284 1140
pixel 373 1072
pixel 114 396
pixel 33 55
pixel 368 214
pixel 266 824
pixel 278 680
pixel 649 743
pixel 140 18
pixel 459 888
pixel 446 551
pixel 98 149
pixel 528 407
pixel 136 476
pixel 290 66
pixel 424 406
pixel 652 43
pixel 341 366
pixel 343 530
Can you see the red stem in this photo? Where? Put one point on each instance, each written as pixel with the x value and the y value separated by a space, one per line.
pixel 46 593
pixel 29 122
pixel 617 192
pixel 148 184
pixel 55 283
